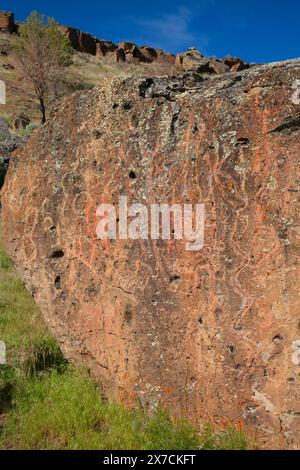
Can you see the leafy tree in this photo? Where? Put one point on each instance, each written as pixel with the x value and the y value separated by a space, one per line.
pixel 42 52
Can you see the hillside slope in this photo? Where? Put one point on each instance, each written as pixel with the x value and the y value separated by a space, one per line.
pixel 85 72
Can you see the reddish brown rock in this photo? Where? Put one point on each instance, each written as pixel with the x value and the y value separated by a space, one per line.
pixel 105 48
pixel 239 66
pixel 73 36
pixel 7 22
pixel 120 55
pixel 100 52
pixel 210 334
pixel 235 64
pixel 87 43
pixel 190 60
pixel 164 57
pixel 124 51
pixel 134 55
pixel 130 52
pixel 194 61
pixel 81 42
pixel 149 53
pixel 218 67
pixel 126 46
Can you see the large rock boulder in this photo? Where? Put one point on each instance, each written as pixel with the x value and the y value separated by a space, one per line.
pixel 212 334
pixel 190 59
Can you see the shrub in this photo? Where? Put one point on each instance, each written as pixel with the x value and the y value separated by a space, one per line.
pixel 27 131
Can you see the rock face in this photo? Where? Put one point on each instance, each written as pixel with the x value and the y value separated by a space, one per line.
pixel 81 42
pixel 122 52
pixel 88 44
pixel 194 61
pixel 7 22
pixel 191 60
pixel 211 334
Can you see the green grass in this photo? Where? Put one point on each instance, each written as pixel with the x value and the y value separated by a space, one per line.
pixel 46 403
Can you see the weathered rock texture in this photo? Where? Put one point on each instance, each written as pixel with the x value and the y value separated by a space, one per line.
pixel 208 333
pixel 194 61
pixel 122 52
pixel 7 22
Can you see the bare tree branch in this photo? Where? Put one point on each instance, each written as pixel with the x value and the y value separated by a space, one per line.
pixel 42 52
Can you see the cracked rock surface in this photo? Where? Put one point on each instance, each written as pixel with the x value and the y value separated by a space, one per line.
pixel 210 334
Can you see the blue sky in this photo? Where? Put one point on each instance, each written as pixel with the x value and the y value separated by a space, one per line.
pixel 256 30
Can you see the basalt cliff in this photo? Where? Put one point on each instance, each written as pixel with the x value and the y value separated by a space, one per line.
pixel 211 334
pixel 131 53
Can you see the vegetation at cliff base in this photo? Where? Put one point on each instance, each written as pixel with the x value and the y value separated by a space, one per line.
pixel 46 403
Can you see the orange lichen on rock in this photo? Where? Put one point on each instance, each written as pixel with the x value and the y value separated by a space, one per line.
pixel 209 334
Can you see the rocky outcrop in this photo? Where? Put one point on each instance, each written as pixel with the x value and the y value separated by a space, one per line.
pixel 88 44
pixel 212 334
pixel 125 51
pixel 81 42
pixel 190 58
pixel 194 61
pixel 105 48
pixel 7 22
pixel 235 64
